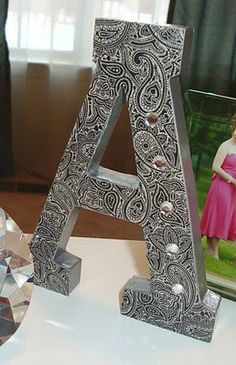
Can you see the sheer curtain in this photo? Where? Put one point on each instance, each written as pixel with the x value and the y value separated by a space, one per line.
pixel 51 57
pixel 62 30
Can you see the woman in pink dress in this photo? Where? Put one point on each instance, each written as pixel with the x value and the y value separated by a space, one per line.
pixel 219 215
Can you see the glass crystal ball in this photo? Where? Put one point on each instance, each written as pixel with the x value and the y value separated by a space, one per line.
pixel 16 276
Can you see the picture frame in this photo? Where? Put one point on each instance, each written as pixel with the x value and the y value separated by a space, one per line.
pixel 208 119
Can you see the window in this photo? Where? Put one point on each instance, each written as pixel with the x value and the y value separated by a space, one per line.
pixel 62 30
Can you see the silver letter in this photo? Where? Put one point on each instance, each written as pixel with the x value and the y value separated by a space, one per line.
pixel 139 63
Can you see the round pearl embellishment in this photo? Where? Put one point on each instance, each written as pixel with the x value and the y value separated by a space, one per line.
pixel 151 119
pixel 177 289
pixel 166 207
pixel 159 162
pixel 172 249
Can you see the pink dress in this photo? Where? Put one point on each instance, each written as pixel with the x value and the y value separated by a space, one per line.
pixel 219 214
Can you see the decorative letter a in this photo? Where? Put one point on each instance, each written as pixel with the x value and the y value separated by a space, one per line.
pixel 140 64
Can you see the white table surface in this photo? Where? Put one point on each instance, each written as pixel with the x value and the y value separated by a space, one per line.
pixel 87 328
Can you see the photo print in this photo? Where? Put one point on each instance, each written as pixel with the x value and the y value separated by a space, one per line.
pixel 211 125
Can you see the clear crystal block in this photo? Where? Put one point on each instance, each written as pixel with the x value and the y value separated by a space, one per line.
pixel 16 276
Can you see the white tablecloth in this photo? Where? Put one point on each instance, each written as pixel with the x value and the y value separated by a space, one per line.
pixel 87 328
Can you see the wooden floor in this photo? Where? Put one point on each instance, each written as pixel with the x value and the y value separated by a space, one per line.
pixel 25 209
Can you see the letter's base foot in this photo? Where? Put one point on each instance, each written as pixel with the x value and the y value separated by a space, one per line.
pixel 62 274
pixel 167 310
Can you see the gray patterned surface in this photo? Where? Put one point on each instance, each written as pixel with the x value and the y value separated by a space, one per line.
pixel 138 63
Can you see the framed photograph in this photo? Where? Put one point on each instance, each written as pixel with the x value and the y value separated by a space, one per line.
pixel 208 118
